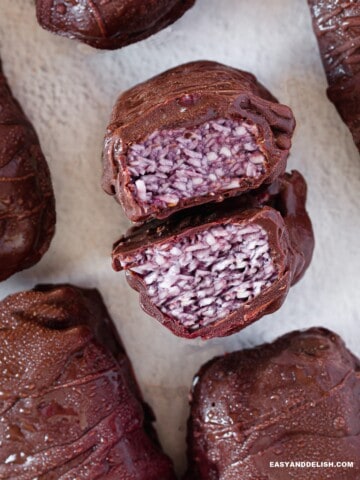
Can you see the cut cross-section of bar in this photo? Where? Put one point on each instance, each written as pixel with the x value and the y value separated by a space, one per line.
pixel 211 271
pixel 206 276
pixel 171 166
pixel 195 134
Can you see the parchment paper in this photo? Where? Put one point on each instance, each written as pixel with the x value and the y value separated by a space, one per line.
pixel 68 90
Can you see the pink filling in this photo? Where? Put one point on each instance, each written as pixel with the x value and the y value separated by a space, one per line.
pixel 173 165
pixel 202 278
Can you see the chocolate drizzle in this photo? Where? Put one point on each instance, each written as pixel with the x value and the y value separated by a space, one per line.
pixel 27 204
pixel 69 402
pixel 337 27
pixel 109 24
pixel 296 399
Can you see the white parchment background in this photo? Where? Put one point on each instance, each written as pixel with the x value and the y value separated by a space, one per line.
pixel 68 90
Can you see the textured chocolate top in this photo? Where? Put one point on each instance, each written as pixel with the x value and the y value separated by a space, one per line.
pixel 337 27
pixel 70 405
pixel 27 205
pixel 278 208
pixel 297 399
pixel 187 96
pixel 109 24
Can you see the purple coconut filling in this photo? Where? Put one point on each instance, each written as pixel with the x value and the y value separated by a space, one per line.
pixel 204 277
pixel 173 165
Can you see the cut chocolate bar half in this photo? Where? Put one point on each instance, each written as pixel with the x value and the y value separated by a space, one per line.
pixel 195 134
pixel 212 271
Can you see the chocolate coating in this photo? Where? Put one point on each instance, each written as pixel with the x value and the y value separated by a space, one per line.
pixel 70 405
pixel 278 208
pixel 297 399
pixel 187 96
pixel 337 27
pixel 109 24
pixel 27 204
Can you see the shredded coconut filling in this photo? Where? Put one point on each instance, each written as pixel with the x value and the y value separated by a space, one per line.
pixel 204 277
pixel 173 165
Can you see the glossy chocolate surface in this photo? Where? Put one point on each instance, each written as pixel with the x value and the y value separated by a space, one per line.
pixel 109 24
pixel 27 204
pixel 70 405
pixel 337 27
pixel 185 97
pixel 297 399
pixel 278 208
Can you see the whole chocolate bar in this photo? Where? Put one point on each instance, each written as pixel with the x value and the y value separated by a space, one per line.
pixel 209 272
pixel 295 400
pixel 198 133
pixel 27 205
pixel 109 24
pixel 337 27
pixel 70 405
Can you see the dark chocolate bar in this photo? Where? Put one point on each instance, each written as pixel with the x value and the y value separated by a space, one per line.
pixel 337 27
pixel 109 24
pixel 294 400
pixel 70 405
pixel 195 134
pixel 211 271
pixel 27 205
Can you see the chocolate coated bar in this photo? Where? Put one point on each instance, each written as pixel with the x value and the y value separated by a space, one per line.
pixel 337 27
pixel 211 271
pixel 27 204
pixel 109 24
pixel 294 400
pixel 70 405
pixel 198 133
